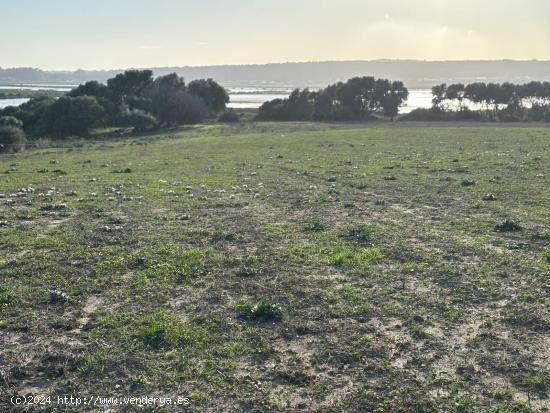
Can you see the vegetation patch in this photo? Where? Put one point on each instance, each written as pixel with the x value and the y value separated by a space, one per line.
pixel 261 311
pixel 509 226
pixel 163 331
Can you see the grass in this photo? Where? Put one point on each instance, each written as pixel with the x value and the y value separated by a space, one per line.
pixel 282 267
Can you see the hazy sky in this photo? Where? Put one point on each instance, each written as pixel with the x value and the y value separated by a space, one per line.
pixel 70 34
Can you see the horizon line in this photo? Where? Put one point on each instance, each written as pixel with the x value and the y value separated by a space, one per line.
pixel 284 63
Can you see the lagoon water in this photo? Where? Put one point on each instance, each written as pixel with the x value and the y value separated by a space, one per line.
pixel 242 98
pixel 12 102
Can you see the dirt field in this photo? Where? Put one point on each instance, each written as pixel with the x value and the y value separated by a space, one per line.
pixel 280 268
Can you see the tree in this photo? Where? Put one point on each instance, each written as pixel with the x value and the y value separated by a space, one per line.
pixel 358 98
pixel 213 95
pixel 92 88
pixel 456 92
pixel 327 106
pixel 438 93
pixel 70 116
pixel 172 104
pixel 394 98
pixel 275 109
pixel 300 105
pixel 359 95
pixel 32 114
pixel 129 83
pixel 476 92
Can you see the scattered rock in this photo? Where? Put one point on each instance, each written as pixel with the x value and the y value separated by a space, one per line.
pixel 54 207
pixel 108 228
pixel 58 296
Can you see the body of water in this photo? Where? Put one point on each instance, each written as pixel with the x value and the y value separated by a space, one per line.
pixel 61 88
pixel 12 102
pixel 243 98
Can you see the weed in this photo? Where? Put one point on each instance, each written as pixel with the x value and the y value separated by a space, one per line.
pixel 261 311
pixel 163 331
pixel 508 226
pixel 8 296
pixel 314 226
pixel 361 234
pixel 123 171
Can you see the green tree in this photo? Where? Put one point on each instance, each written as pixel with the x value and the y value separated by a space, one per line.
pixel 92 88
pixel 70 116
pixel 213 95
pixel 172 104
pixel 438 95
pixel 394 98
pixel 359 95
pixel 456 92
pixel 129 83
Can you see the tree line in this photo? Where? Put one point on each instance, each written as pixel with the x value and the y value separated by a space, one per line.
pixel 131 99
pixel 488 101
pixel 357 99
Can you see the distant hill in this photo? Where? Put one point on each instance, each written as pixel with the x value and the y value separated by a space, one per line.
pixel 415 73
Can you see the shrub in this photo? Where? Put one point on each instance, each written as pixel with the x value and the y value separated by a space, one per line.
pixel 137 119
pixel 229 116
pixel 8 296
pixel 12 139
pixel 427 115
pixel 508 226
pixel 212 94
pixel 539 113
pixel 361 234
pixel 69 116
pixel 314 226
pixel 163 331
pixel 437 114
pixel 262 311
pixel 171 103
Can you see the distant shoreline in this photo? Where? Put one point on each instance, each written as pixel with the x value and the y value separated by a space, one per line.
pixel 416 74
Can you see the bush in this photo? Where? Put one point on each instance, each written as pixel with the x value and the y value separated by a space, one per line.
pixel 436 114
pixel 262 311
pixel 229 116
pixel 12 139
pixel 137 119
pixel 70 116
pixel 11 121
pixel 539 113
pixel 427 115
pixel 508 226
pixel 212 94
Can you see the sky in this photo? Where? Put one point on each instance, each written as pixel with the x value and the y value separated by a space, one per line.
pixel 114 34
